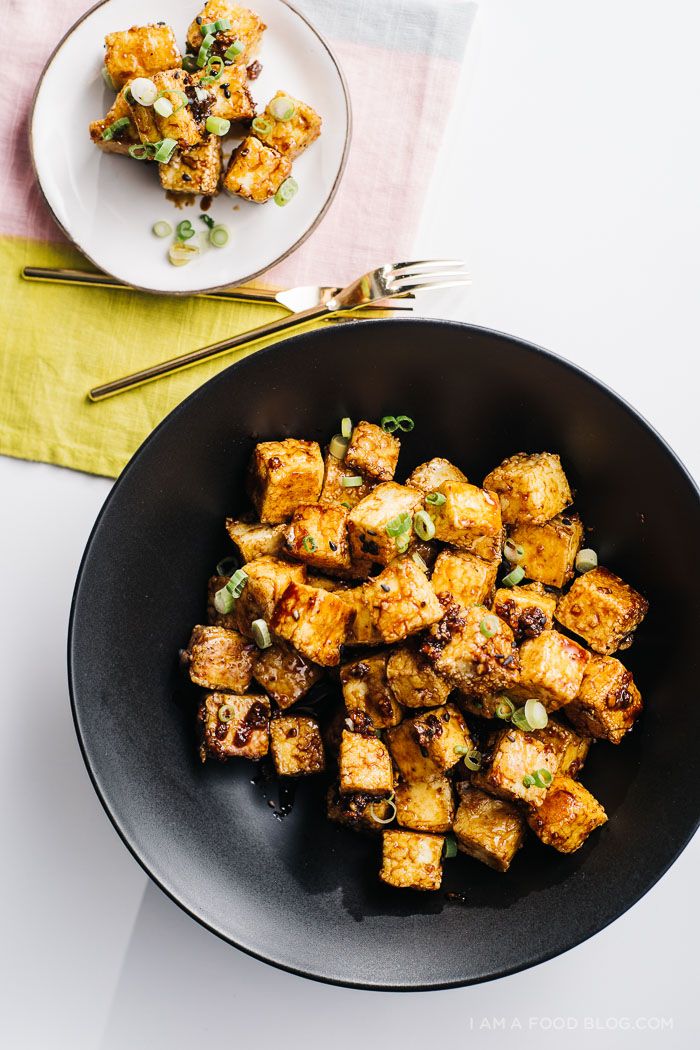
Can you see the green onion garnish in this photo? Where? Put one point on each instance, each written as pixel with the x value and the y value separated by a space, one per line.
pixel 505 709
pixel 346 427
pixel 542 778
pixel 282 108
pixel 346 505
pixel 161 229
pixel 472 760
pixel 514 577
pixel 351 483
pixel 287 190
pixel 110 131
pixel 163 107
pixel 513 552
pixel 107 79
pixel 435 499
pixel 180 253
pixel 217 125
pixel 489 626
pixel 164 150
pixel 213 74
pixel 142 151
pixel 405 423
pixel 403 542
pixel 234 50
pixel 225 713
pixel 389 424
pixel 419 562
pixel 536 714
pixel 261 634
pixel 261 126
pixel 227 566
pixel 520 721
pixel 184 230
pixel 224 600
pixel 309 544
pixel 423 525
pixel 237 582
pixel 164 95
pixel 586 560
pixel 528 781
pixel 222 24
pixel 450 847
pixel 338 446
pixel 460 749
pixel 203 53
pixel 218 236
pixel 143 91
pixel 208 221
pixel 208 29
pixel 383 820
pixel 398 525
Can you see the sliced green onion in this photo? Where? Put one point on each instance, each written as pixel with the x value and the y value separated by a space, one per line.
pixel 161 228
pixel 217 125
pixel 383 820
pixel 164 150
pixel 184 230
pixel 435 499
pixel 222 24
pixel 403 542
pixel 164 95
pixel 513 578
pixel 309 544
pixel 423 525
pixel 111 130
pixel 398 525
pixel 180 253
pixel 389 424
pixel 163 107
pixel 232 52
pixel 213 74
pixel 224 600
pixel 203 53
pixel 542 778
pixel 346 505
pixel 528 781
pixel 351 483
pixel 282 108
pixel 107 79
pixel 261 126
pixel 405 423
pixel 586 560
pixel 237 582
pixel 287 190
pixel 536 714
pixel 189 64
pixel 513 552
pixel 218 236
pixel 208 29
pixel 261 634
pixel 338 446
pixel 143 91
pixel 208 221
pixel 225 713
pixel 450 847
pixel 419 561
pixel 346 427
pixel 489 626
pixel 505 709
pixel 142 151
pixel 472 760
pixel 461 749
pixel 520 721
pixel 227 566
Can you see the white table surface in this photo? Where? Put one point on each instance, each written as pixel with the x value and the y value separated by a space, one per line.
pixel 569 181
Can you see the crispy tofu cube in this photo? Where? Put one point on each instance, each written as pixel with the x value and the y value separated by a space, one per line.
pixel 366 688
pixel 268 578
pixel 428 477
pixel 361 812
pixel 314 621
pixel 566 816
pixel 334 491
pixel 195 170
pixel 231 99
pixel 219 659
pixel 214 618
pixel 411 860
pixel 119 140
pixel 282 475
pixel 412 760
pixel 246 26
pixel 443 733
pixel 514 755
pixel 370 543
pixel 608 702
pixel 466 578
pixel 489 829
pixel 255 172
pixel 292 137
pixel 318 536
pixel 402 601
pixel 570 748
pixel 296 746
pixel 603 610
pixel 234 726
pixel 140 52
pixel 527 610
pixel 362 629
pixel 550 549
pixel 425 805
pixel 285 674
pixel 182 125
pixel 364 765
pixel 531 488
pixel 470 518
pixel 372 452
pixel 551 669
pixel 255 539
pixel 412 679
pixel 478 663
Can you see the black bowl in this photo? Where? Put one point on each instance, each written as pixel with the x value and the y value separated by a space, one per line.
pixel 299 892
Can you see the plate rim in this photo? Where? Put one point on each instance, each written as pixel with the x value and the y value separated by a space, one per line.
pixel 536 959
pixel 229 284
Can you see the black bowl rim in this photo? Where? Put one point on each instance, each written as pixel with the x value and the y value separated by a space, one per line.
pixel 160 879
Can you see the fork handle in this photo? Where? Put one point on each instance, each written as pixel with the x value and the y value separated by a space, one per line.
pixel 206 353
pixel 86 278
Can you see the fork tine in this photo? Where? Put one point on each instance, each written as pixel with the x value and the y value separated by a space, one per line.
pixel 401 283
pixel 397 269
pixel 439 281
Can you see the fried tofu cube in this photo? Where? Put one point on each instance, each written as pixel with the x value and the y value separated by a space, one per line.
pixel 527 610
pixel 489 829
pixel 231 99
pixel 412 760
pixel 182 125
pixel 234 726
pixel 402 601
pixel 282 475
pixel 254 539
pixel 245 26
pixel 428 477
pixel 255 172
pixel 551 669
pixel 119 140
pixel 195 171
pixel 531 488
pixel 603 610
pixel 443 733
pixel 296 746
pixel 268 578
pixel 314 621
pixel 219 659
pixel 550 549
pixel 215 618
pixel 361 812
pixel 372 452
pixel 566 816
pixel 366 688
pixel 387 505
pixel 477 661
pixel 318 536
pixel 292 137
pixel 334 491
pixel 511 762
pixel 140 52
pixel 425 805
pixel 362 629
pixel 364 765
pixel 284 674
pixel 571 748
pixel 466 578
pixel 608 702
pixel 411 860
pixel 412 679
pixel 470 518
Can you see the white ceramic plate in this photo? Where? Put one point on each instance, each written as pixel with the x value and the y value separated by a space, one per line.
pixel 107 204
